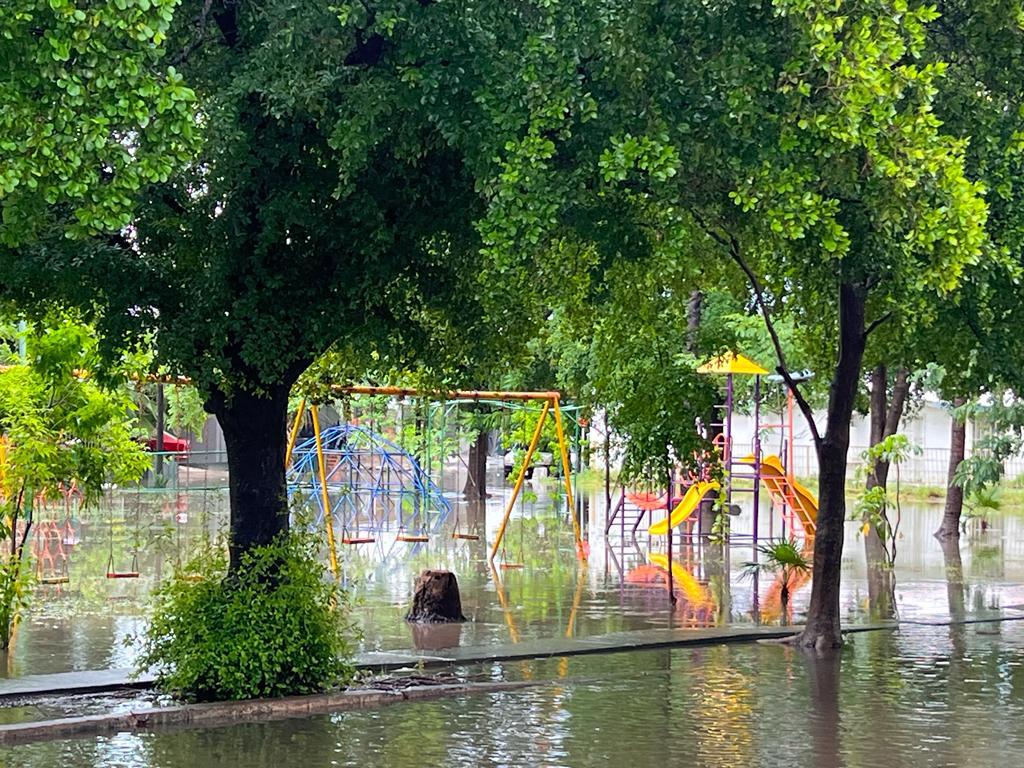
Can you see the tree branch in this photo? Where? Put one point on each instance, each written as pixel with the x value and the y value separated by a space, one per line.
pixel 732 246
pixel 900 390
pixel 877 322
pixel 199 37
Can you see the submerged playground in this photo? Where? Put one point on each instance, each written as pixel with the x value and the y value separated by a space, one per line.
pixel 517 494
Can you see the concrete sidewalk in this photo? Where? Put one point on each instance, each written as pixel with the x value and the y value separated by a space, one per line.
pixel 105 680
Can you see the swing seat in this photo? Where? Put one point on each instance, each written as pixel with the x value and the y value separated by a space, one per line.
pixel 511 566
pixel 358 540
pixel 413 538
pixel 122 574
pixel 465 536
pixel 54 580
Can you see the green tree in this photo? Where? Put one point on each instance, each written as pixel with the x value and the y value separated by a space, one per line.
pixel 91 113
pixel 59 429
pixel 974 337
pixel 340 201
pixel 815 161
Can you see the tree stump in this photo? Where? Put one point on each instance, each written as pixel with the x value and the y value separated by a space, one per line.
pixel 436 598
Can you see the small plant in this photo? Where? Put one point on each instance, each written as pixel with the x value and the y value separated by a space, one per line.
pixel 275 627
pixel 874 504
pixel 983 502
pixel 780 557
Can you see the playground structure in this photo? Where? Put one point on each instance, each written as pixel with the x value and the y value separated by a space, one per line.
pixel 372 476
pixel 367 483
pixel 751 464
pixel 796 504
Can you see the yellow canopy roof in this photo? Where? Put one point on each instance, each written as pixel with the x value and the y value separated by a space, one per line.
pixel 732 362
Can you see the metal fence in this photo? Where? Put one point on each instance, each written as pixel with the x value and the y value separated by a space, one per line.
pixel 929 467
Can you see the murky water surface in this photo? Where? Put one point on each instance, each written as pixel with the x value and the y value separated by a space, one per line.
pixel 88 622
pixel 923 696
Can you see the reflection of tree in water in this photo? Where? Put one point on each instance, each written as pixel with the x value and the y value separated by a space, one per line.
pixel 721 709
pixel 823 716
pixel 881 579
pixel 285 743
pixel 541 541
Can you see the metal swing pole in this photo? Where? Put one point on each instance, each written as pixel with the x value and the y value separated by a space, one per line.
pixel 321 467
pixel 293 435
pixel 520 478
pixel 560 431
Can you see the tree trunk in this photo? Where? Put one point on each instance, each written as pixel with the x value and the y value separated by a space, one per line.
pixel 885 416
pixel 160 426
pixel 823 630
pixel 436 598
pixel 693 314
pixel 476 468
pixel 255 435
pixel 954 578
pixel 950 528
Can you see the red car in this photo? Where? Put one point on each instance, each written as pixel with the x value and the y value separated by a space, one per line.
pixel 172 444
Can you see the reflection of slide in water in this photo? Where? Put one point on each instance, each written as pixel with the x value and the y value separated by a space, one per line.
pixel 698 606
pixel 694 496
pixel 692 590
pixel 786 489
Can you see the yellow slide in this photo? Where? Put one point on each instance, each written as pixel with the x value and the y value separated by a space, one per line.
pixel 695 594
pixel 786 489
pixel 684 508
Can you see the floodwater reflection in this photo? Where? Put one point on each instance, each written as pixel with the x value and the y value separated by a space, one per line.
pixel 915 698
pixel 83 625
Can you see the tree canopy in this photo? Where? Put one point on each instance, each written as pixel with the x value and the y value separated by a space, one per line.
pixel 92 113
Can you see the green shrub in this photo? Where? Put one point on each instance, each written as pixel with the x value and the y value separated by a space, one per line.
pixel 274 628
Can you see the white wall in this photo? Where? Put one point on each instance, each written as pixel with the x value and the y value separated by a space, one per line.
pixel 928 428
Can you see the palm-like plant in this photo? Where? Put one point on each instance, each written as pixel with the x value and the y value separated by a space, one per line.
pixel 780 557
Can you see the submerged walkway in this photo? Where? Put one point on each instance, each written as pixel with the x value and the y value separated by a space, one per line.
pixel 106 680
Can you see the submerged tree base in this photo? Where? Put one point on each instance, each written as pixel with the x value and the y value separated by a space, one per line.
pixel 819 640
pixel 436 598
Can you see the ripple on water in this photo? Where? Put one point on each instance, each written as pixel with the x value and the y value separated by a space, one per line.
pixel 924 696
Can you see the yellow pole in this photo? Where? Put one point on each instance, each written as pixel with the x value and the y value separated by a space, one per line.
pixel 499 587
pixel 570 628
pixel 294 433
pixel 522 476
pixel 328 517
pixel 568 481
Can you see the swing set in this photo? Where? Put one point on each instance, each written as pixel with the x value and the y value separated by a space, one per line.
pixel 400 490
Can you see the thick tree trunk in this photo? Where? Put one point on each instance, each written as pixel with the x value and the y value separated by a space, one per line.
pixel 255 435
pixel 823 630
pixel 436 598
pixel 476 469
pixel 950 528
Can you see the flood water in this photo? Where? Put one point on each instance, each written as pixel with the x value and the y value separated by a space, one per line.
pixel 922 696
pixel 88 622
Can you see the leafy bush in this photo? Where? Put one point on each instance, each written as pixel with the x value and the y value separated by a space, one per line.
pixel 274 628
